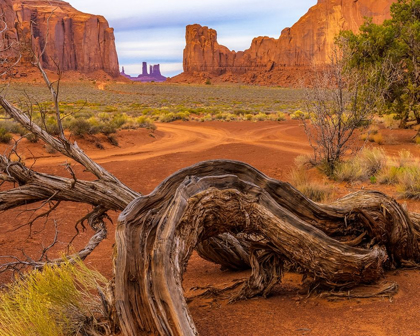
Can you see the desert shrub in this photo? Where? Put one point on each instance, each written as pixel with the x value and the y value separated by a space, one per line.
pixel 280 116
pixel 84 114
pixel 80 127
pixel 302 161
pixel 56 301
pixel 110 109
pixel 218 116
pixel 377 138
pixel 363 136
pixel 299 115
pixel 361 167
pixel 112 140
pixel 405 158
pixel 104 116
pixel 145 122
pixel 207 117
pixel 13 127
pixel 248 116
pixel 5 136
pixel 119 120
pixel 390 175
pixel 107 129
pixel 50 123
pixel 229 116
pixel 185 116
pixel 316 191
pixel 260 117
pixel 94 122
pixel 395 170
pixel 130 124
pixel 409 182
pixel 373 129
pixel 32 137
pixel 372 160
pixel 167 117
pixel 390 121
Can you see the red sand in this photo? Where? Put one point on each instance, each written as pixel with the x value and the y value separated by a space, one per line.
pixel 142 161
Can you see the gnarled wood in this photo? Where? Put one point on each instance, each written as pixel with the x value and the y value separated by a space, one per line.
pixel 157 234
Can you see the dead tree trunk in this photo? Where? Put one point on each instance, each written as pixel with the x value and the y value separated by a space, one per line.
pixel 339 246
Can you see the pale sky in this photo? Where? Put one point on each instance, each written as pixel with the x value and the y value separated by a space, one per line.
pixel 154 31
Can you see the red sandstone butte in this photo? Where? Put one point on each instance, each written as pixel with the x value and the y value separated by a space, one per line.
pixel 278 61
pixel 75 40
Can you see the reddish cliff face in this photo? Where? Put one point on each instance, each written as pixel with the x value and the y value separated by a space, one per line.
pixel 309 42
pixel 72 39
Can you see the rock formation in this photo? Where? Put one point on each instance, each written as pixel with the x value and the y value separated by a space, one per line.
pixel 153 76
pixel 69 38
pixel 308 42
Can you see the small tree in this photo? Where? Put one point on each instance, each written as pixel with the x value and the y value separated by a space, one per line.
pixel 394 46
pixel 337 105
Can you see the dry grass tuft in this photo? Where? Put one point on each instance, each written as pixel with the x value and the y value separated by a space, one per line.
pixel 316 191
pixel 361 167
pixel 56 301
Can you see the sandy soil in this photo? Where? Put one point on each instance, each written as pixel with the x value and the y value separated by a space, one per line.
pixel 144 159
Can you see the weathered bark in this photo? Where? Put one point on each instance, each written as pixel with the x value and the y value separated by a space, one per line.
pixel 229 251
pixel 157 234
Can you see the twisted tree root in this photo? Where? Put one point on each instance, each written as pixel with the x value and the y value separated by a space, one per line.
pixel 157 234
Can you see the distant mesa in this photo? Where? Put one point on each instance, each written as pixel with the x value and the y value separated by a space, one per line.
pixel 153 76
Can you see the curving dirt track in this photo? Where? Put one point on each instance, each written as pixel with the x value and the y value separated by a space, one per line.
pixel 195 137
pixel 142 161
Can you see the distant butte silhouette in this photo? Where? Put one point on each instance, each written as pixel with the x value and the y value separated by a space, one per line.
pixel 153 76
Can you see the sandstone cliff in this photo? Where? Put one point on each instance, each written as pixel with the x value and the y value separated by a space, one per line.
pixel 72 39
pixel 308 42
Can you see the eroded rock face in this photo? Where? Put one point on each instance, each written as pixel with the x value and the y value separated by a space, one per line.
pixel 268 60
pixel 72 40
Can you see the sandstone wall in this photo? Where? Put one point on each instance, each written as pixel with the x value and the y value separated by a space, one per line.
pixel 72 39
pixel 309 41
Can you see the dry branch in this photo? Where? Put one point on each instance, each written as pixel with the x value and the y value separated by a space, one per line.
pixel 157 234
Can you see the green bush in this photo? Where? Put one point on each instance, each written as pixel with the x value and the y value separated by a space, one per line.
pixel 119 119
pixel 260 117
pixel 107 129
pixel 298 115
pixel 167 117
pixel 248 116
pixel 80 127
pixel 32 137
pixel 5 136
pixel 279 116
pixel 13 127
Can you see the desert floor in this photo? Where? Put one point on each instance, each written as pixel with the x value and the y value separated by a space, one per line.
pixel 143 160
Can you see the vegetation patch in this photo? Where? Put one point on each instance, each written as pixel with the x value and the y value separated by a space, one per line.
pixel 55 301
